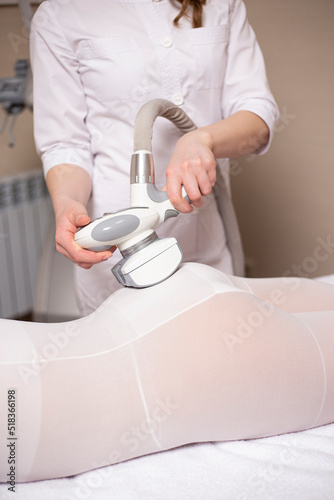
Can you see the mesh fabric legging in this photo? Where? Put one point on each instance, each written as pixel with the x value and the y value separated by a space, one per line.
pixel 200 357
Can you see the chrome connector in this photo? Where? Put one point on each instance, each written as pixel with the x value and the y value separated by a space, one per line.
pixel 142 168
pixel 138 246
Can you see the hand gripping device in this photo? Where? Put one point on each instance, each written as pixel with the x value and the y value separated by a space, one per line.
pixel 147 259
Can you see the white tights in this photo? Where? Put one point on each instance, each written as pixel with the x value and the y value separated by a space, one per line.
pixel 200 357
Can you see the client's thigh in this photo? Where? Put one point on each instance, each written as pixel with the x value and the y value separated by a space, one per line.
pixel 233 368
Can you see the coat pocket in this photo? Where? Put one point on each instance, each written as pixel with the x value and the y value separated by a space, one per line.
pixel 209 46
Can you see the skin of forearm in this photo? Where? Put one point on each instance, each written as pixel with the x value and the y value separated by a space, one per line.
pixel 68 182
pixel 240 134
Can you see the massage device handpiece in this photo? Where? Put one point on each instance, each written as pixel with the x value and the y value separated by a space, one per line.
pixel 152 260
pixel 147 259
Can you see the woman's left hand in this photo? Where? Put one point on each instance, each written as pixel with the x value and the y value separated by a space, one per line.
pixel 192 165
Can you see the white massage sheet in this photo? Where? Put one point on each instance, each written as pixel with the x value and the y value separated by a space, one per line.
pixel 291 466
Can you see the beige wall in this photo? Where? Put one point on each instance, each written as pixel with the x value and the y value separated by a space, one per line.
pixel 13 46
pixel 285 199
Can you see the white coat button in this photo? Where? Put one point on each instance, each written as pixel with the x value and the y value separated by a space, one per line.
pixel 167 42
pixel 177 99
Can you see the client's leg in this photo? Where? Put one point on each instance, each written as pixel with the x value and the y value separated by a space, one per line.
pixel 321 326
pixel 191 360
pixel 291 294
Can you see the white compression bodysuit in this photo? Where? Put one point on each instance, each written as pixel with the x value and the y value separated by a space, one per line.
pixel 200 357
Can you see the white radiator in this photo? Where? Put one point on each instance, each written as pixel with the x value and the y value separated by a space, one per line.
pixel 25 214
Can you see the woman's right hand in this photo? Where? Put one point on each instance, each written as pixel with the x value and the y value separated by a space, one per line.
pixel 68 220
pixel 70 187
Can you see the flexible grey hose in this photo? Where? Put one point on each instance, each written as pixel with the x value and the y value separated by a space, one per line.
pixel 143 132
pixel 143 129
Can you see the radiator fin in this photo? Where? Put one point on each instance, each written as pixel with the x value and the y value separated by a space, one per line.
pixel 25 215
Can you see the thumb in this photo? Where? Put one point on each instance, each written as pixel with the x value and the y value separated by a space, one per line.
pixel 80 219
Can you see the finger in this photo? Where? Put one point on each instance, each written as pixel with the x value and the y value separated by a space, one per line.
pixel 174 186
pixel 192 188
pixel 89 265
pixel 204 183
pixel 209 167
pixel 212 176
pixel 80 256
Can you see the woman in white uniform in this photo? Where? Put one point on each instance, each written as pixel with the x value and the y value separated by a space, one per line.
pixel 95 64
pixel 202 356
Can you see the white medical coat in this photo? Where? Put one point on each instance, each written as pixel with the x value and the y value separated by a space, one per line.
pixel 96 62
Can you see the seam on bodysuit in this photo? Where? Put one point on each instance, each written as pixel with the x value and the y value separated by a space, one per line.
pixel 229 281
pixel 143 399
pixel 323 367
pixel 244 282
